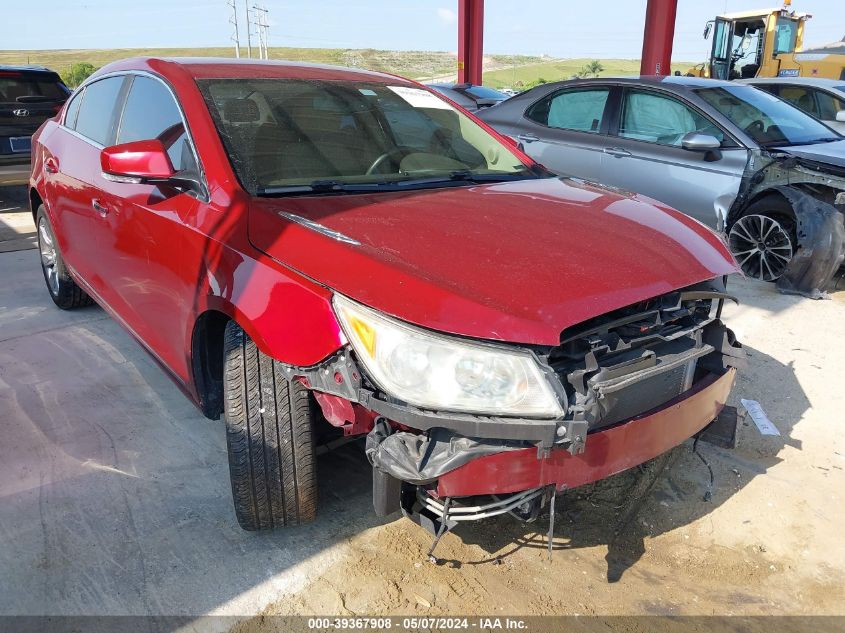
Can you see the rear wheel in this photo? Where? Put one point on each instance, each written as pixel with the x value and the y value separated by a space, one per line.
pixel 63 290
pixel 269 436
pixel 763 240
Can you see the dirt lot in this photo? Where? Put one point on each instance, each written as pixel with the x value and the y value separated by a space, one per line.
pixel 646 542
pixel 115 496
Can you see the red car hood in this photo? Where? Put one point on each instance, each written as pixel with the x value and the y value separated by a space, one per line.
pixel 517 261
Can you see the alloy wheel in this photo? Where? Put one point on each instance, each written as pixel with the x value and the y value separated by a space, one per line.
pixel 761 245
pixel 47 247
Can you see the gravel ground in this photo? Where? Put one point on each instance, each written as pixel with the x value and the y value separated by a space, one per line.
pixel 116 501
pixel 645 542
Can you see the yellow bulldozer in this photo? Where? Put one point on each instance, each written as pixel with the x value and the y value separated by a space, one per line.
pixel 767 43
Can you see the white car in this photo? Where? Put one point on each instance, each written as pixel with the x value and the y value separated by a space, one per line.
pixel 822 98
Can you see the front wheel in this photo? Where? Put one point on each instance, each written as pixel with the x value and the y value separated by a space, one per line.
pixel 63 290
pixel 269 436
pixel 763 240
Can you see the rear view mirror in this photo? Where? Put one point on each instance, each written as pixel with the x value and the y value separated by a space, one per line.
pixel 840 116
pixel 140 161
pixel 698 142
pixel 707 28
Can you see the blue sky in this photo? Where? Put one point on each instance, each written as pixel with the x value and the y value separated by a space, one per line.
pixel 559 28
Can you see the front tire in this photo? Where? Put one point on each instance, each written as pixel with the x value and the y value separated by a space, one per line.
pixel 763 240
pixel 63 290
pixel 269 436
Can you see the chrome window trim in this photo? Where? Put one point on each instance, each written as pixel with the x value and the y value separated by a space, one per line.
pixel 205 197
pixel 552 94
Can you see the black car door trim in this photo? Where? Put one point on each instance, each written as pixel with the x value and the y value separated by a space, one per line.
pixel 603 125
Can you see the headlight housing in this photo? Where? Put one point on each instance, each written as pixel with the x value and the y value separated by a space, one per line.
pixel 445 373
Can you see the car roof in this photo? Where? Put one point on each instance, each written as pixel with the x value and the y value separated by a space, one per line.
pixel 818 82
pixel 232 68
pixel 677 82
pixel 28 68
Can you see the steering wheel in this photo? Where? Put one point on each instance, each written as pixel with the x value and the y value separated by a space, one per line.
pixel 395 156
pixel 756 127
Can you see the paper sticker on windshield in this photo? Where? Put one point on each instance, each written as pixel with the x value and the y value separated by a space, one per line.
pixel 420 98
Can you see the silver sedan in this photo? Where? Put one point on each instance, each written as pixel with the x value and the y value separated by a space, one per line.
pixel 714 150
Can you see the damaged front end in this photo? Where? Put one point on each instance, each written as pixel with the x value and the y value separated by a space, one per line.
pixel 632 384
pixel 786 224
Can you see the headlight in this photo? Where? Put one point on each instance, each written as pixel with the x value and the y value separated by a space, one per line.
pixel 441 372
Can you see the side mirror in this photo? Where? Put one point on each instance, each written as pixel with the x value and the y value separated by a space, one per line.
pixel 139 161
pixel 840 116
pixel 698 142
pixel 707 28
pixel 746 43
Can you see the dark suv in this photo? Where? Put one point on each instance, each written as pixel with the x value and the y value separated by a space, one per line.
pixel 29 95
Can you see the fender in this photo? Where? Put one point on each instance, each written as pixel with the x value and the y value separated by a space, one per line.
pixel 289 317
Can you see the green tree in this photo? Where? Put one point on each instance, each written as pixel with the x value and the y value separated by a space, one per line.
pixel 536 82
pixel 77 73
pixel 593 69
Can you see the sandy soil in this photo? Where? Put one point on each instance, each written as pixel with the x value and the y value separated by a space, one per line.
pixel 645 542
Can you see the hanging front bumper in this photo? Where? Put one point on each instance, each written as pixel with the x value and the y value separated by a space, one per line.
pixel 608 451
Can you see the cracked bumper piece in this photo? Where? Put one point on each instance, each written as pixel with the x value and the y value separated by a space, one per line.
pixel 608 451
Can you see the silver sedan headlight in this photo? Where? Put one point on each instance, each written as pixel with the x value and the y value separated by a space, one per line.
pixel 445 373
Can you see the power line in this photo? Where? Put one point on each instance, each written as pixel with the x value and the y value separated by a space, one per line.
pixel 262 26
pixel 233 20
pixel 248 30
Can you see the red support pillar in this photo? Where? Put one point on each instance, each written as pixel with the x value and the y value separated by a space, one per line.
pixel 657 37
pixel 470 40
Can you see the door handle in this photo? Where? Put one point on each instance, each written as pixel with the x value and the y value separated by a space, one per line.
pixel 99 208
pixel 527 138
pixel 51 166
pixel 619 152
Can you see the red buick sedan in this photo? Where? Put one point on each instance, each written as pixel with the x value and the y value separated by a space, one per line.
pixel 314 252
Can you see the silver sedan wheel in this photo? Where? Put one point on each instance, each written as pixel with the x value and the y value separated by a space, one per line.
pixel 47 247
pixel 762 247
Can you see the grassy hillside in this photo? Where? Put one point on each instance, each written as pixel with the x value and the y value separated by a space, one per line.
pixel 559 69
pixel 503 70
pixel 411 63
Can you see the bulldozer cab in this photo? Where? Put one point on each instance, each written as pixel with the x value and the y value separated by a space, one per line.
pixel 748 44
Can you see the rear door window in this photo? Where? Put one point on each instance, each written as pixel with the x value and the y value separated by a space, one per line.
pixel 578 110
pixel 828 105
pixel 96 114
pixel 802 98
pixel 151 113
pixel 72 110
pixel 656 118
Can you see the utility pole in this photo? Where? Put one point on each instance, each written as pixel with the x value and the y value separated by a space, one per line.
pixel 248 29
pixel 234 21
pixel 262 25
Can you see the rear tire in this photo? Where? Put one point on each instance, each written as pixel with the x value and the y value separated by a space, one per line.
pixel 63 290
pixel 269 436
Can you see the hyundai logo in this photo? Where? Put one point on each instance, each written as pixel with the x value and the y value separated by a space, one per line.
pixel 21 112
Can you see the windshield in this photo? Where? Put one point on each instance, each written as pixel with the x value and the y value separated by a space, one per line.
pixel 765 118
pixel 288 133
